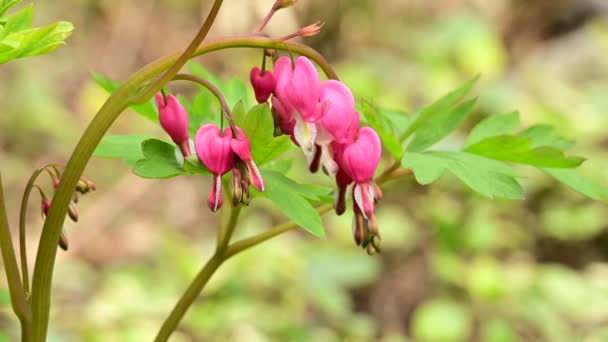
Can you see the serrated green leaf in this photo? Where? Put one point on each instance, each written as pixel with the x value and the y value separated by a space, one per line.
pixel 449 100
pixel 5 5
pixel 147 110
pixel 159 161
pixel 125 147
pixel 544 135
pixel 517 149
pixel 45 39
pixel 292 203
pixel 488 177
pixel 492 126
pixel 578 183
pixel 439 126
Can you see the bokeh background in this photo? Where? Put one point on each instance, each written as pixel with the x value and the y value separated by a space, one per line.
pixel 455 267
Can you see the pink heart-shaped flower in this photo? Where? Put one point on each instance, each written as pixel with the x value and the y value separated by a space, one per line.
pixel 213 150
pixel 361 157
pixel 263 83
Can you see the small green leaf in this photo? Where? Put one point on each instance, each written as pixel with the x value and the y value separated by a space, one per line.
pixel 159 161
pixel 20 20
pixel 518 149
pixel 125 147
pixel 5 5
pixel 287 195
pixel 544 135
pixel 449 100
pixel 439 126
pixel 147 110
pixel 488 177
pixel 492 126
pixel 578 183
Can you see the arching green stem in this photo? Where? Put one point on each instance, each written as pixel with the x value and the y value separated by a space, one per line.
pixel 121 99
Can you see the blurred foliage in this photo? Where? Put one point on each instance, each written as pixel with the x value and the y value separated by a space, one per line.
pixel 455 266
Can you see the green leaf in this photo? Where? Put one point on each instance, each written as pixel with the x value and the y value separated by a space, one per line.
pixel 147 110
pixel 193 166
pixel 439 126
pixel 239 113
pixel 449 100
pixel 544 135
pixel 5 5
pixel 488 177
pixel 125 147
pixel 492 126
pixel 291 199
pixel 578 183
pixel 269 152
pixel 159 160
pixel 20 20
pixel 376 120
pixel 518 149
pixel 259 128
pixel 45 39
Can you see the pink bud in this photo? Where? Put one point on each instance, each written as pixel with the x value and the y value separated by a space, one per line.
pixel 341 121
pixel 361 157
pixel 303 91
pixel 263 84
pixel 45 206
pixel 213 150
pixel 241 147
pixel 174 119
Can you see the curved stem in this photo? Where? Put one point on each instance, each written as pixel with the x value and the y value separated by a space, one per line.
pixel 226 234
pixel 22 218
pixel 212 88
pixel 188 298
pixel 47 250
pixel 159 83
pixel 18 297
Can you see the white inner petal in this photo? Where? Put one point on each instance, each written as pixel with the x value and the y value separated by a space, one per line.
pixel 327 161
pixel 359 199
pixel 218 192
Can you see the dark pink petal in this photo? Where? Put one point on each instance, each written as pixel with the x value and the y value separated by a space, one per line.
pixel 303 90
pixel 361 157
pixel 340 121
pixel 213 150
pixel 173 118
pixel 263 84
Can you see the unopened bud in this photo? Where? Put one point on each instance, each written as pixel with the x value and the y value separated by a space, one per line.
pixel 75 197
pixel 377 192
pixel 45 206
pixel 358 229
pixel 376 243
pixel 82 186
pixel 56 182
pixel 73 212
pixel 63 240
pixel 370 249
pixel 280 4
pixel 237 188
pixel 91 185
pixel 246 193
pixel 340 200
pixel 310 30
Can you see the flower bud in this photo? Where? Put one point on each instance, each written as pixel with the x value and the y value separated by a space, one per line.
pixel 73 212
pixel 63 240
pixel 280 4
pixel 237 188
pixel 263 83
pixel 174 120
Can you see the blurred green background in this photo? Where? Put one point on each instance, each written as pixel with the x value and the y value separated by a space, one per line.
pixel 455 267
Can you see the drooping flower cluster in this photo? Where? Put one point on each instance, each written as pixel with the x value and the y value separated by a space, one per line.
pixel 219 151
pixel 321 118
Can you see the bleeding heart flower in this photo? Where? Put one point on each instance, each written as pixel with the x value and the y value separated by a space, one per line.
pixel 174 120
pixel 241 147
pixel 215 152
pixel 303 91
pixel 361 157
pixel 341 122
pixel 263 83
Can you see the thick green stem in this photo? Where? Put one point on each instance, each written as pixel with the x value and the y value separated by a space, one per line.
pixel 188 298
pixel 226 234
pixel 15 287
pixel 47 250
